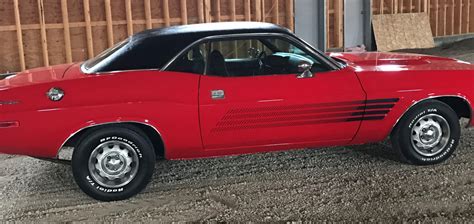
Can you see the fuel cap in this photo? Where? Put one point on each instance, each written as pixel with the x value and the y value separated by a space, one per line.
pixel 55 94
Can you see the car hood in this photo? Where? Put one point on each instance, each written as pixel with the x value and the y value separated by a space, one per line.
pixel 35 76
pixel 377 61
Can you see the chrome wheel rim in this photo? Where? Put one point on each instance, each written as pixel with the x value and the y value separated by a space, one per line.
pixel 430 134
pixel 113 164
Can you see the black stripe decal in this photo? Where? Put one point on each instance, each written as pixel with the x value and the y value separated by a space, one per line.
pixel 375 112
pixel 371 107
pixel 312 106
pixel 371 118
pixel 391 100
pixel 296 115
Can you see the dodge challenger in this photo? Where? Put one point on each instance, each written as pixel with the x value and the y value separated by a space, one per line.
pixel 219 89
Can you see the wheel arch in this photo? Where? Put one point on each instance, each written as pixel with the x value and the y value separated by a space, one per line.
pixel 67 148
pixel 459 104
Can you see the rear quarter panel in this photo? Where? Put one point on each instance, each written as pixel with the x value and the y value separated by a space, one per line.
pixel 165 100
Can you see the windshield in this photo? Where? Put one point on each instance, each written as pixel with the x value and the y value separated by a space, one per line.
pixel 102 56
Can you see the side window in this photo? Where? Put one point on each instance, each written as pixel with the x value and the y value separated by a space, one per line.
pixel 192 61
pixel 258 56
pixel 233 58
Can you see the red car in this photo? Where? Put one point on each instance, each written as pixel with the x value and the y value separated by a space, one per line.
pixel 225 89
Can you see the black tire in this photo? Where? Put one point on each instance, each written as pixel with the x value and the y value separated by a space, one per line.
pixel 403 135
pixel 125 142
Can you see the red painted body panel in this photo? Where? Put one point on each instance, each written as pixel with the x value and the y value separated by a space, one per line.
pixel 411 78
pixel 258 114
pixel 278 110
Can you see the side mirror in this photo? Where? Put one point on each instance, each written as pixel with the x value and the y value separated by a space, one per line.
pixel 304 70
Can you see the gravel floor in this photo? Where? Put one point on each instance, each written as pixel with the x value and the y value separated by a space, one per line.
pixel 351 184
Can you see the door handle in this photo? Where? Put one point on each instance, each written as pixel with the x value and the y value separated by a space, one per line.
pixel 218 94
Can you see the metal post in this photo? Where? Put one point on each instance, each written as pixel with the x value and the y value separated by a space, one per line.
pixel 321 26
pixel 368 38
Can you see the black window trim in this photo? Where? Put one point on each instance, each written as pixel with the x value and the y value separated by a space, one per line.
pixel 293 40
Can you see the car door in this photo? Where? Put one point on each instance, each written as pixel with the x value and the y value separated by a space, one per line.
pixel 275 105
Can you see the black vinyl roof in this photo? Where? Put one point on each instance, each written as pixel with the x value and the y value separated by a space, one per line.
pixel 152 49
pixel 198 31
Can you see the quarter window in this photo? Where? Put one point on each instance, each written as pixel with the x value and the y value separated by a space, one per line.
pixel 192 61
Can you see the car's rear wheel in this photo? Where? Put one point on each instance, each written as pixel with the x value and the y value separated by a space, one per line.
pixel 113 163
pixel 427 134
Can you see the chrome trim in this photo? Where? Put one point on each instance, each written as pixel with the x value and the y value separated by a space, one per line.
pixel 434 97
pixel 118 71
pixel 430 135
pixel 218 94
pixel 101 124
pixel 294 39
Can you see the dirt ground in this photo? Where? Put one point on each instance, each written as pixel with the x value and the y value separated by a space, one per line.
pixel 351 184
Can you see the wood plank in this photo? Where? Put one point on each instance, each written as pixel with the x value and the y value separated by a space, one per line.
pixel 290 15
pixel 207 11
pixel 471 16
pixel 247 14
pixel 275 12
pixel 147 4
pixel 264 11
pixel 436 10
pixel 44 41
pixel 87 17
pixel 128 13
pixel 232 10
pixel 110 27
pixel 218 10
pixel 100 23
pixel 338 23
pixel 166 13
pixel 381 7
pixel 19 35
pixel 67 32
pixel 453 14
pixel 183 8
pixel 445 17
pixel 200 9
pixel 395 6
pixel 258 10
pixel 468 15
pixel 460 15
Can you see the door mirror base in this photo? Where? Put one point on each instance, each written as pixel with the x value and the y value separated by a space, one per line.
pixel 305 70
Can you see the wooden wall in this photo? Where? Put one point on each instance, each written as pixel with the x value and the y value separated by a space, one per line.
pixel 335 23
pixel 35 33
pixel 447 17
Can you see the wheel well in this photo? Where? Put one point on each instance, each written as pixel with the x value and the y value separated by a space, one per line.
pixel 149 131
pixel 459 105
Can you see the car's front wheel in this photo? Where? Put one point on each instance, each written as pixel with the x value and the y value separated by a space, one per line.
pixel 427 134
pixel 113 163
